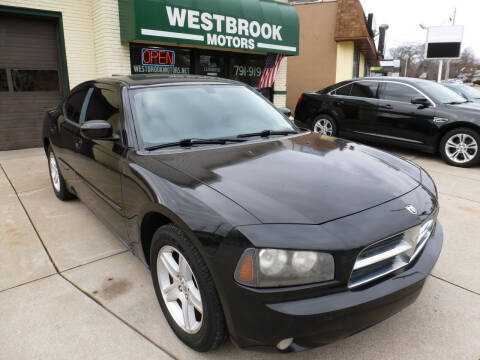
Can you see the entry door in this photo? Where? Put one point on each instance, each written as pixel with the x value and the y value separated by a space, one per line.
pixel 213 65
pixel 69 141
pixel 399 119
pixel 99 162
pixel 29 78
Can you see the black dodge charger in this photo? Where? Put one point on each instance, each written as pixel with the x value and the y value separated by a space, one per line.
pixel 413 113
pixel 251 228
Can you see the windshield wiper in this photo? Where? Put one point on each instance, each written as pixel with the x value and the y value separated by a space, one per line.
pixel 267 133
pixel 191 142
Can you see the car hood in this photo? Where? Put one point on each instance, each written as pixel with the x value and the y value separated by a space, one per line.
pixel 305 178
pixel 469 106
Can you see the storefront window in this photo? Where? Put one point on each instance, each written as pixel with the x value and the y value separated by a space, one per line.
pixel 247 69
pixel 213 65
pixel 147 59
pixel 35 80
pixel 3 80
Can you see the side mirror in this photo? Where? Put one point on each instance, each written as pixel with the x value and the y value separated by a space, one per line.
pixel 285 111
pixel 96 129
pixel 420 100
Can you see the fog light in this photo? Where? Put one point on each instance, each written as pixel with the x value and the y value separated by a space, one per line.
pixel 284 344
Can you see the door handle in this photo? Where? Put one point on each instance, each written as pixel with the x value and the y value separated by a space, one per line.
pixel 78 143
pixel 388 107
pixel 340 102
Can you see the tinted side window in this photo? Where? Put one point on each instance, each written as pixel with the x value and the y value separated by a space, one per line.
pixel 365 89
pixel 73 105
pixel 344 90
pixel 398 92
pixel 105 105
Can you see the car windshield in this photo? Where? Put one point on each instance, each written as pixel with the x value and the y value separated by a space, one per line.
pixel 470 91
pixel 441 93
pixel 168 114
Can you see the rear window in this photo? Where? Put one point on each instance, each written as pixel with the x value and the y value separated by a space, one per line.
pixel 343 90
pixel 365 89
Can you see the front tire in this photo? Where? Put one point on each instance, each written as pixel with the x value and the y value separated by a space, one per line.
pixel 56 178
pixel 185 290
pixel 325 125
pixel 460 147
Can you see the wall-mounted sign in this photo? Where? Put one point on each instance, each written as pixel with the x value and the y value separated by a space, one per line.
pixel 444 42
pixel 250 25
pixel 158 57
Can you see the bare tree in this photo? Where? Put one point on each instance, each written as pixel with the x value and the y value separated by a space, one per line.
pixel 466 65
pixel 412 60
pixel 410 56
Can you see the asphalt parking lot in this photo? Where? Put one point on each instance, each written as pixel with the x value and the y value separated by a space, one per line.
pixel 69 289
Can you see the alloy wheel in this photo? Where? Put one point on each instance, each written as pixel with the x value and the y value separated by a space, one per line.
pixel 179 289
pixel 54 174
pixel 461 148
pixel 324 127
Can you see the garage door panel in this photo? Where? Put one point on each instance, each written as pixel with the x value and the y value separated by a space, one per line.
pixel 27 43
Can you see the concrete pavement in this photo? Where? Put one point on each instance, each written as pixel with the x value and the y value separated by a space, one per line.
pixel 68 289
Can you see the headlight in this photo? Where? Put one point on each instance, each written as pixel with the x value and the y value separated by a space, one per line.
pixel 424 232
pixel 275 267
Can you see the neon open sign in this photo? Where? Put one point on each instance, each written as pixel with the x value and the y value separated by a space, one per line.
pixel 158 57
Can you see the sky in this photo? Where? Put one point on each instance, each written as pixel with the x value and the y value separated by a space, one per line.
pixel 404 17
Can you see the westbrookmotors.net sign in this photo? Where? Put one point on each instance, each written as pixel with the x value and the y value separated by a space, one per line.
pixel 252 25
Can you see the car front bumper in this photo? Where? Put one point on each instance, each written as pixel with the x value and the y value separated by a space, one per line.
pixel 323 319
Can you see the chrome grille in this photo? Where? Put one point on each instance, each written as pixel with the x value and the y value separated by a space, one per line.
pixel 390 255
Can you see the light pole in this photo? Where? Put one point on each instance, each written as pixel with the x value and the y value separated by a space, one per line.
pixel 447 72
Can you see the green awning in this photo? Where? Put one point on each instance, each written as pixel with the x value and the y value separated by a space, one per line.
pixel 242 25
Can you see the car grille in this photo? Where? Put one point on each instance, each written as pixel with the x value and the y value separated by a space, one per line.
pixel 391 254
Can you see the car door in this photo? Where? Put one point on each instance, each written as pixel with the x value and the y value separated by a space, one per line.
pixel 68 139
pixel 400 120
pixel 364 106
pixel 99 163
pixel 356 105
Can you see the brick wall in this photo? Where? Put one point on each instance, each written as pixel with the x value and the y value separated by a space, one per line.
pixel 111 57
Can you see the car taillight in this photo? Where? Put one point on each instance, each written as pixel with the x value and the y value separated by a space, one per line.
pixel 300 99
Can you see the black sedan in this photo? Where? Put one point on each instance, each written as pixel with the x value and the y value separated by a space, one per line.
pixel 250 227
pixel 414 113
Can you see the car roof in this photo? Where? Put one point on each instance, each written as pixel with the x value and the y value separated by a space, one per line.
pixel 406 80
pixel 142 80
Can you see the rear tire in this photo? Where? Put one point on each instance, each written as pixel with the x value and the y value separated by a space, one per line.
pixel 191 288
pixel 461 147
pixel 56 178
pixel 324 125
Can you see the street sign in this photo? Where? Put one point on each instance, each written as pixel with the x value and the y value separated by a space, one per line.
pixel 444 42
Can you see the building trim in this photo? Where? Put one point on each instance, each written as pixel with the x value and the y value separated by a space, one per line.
pixel 47 14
